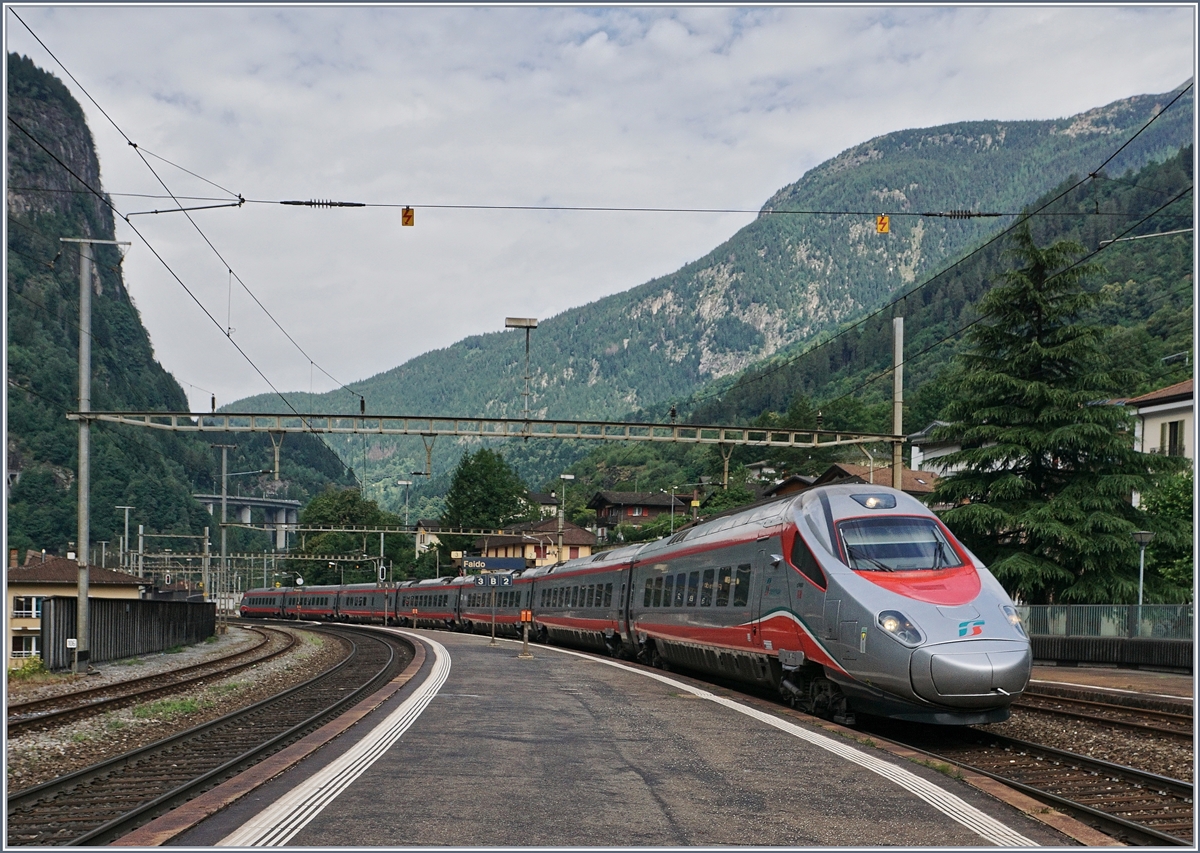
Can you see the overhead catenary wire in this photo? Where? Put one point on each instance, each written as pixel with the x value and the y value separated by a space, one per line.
pixel 956 333
pixel 762 375
pixel 172 273
pixel 185 211
pixel 319 203
pixel 179 205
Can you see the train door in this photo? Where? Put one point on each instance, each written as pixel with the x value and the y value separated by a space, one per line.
pixel 775 619
pixel 623 626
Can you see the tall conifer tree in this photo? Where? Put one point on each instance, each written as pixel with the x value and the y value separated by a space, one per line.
pixel 1048 459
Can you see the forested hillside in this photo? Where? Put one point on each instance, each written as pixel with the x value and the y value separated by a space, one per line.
pixel 811 262
pixel 1147 285
pixel 154 472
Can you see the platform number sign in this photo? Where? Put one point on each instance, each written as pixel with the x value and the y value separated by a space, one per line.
pixel 883 224
pixel 493 580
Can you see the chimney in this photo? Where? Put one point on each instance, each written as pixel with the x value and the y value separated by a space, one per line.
pixel 12 558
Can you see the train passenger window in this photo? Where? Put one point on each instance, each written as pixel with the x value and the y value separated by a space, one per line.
pixel 608 595
pixel 649 592
pixel 693 588
pixel 723 585
pixel 706 588
pixel 656 601
pixel 574 596
pixel 680 580
pixel 668 590
pixel 741 590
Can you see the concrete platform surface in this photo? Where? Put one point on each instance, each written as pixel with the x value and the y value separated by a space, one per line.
pixel 1142 681
pixel 567 750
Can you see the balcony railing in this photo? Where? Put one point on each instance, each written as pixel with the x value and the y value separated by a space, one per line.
pixel 1150 621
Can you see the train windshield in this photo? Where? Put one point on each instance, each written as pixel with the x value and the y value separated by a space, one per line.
pixel 896 544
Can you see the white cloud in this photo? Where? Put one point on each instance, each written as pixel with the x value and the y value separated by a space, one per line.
pixel 629 106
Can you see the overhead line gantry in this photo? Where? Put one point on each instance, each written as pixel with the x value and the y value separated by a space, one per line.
pixel 430 428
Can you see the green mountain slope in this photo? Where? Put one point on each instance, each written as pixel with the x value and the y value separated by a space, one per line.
pixel 154 472
pixel 781 281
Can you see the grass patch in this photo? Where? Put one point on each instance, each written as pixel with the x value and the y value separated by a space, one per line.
pixel 81 737
pixel 212 639
pixel 941 767
pixel 174 650
pixel 131 662
pixel 226 689
pixel 165 709
pixel 867 742
pixel 115 724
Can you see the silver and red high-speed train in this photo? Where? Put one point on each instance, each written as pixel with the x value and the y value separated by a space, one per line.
pixel 846 598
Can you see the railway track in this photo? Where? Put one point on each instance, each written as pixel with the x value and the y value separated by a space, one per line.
pixel 1131 805
pixel 1137 719
pixel 103 802
pixel 58 710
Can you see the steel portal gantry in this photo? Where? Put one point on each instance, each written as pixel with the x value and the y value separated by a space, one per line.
pixel 431 428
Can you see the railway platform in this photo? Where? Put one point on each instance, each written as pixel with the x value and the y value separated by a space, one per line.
pixel 1167 691
pixel 482 748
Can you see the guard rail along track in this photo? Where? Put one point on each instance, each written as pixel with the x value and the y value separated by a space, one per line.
pixel 105 801
pixel 58 710
pixel 1131 805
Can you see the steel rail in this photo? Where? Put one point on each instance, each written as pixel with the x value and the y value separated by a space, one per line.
pixel 49 796
pixel 1106 713
pixel 1153 784
pixel 433 427
pixel 87 703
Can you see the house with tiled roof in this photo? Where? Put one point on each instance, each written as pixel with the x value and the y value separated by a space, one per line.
pixel 919 484
pixel 632 508
pixel 29 585
pixel 537 542
pixel 1165 421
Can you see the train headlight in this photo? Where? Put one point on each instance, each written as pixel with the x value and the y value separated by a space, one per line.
pixel 1013 617
pixel 899 626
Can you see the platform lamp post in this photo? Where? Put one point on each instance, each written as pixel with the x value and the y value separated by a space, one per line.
pixel 1142 538
pixel 562 509
pixel 528 324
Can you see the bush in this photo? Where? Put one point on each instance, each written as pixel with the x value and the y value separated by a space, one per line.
pixel 29 668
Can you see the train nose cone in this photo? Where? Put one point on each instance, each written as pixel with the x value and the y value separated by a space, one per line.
pixel 971 674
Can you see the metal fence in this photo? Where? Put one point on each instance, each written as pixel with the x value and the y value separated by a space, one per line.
pixel 123 627
pixel 1148 621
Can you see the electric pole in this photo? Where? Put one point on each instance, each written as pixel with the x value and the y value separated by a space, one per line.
pixel 83 474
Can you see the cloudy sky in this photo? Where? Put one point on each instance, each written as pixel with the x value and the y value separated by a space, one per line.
pixel 558 106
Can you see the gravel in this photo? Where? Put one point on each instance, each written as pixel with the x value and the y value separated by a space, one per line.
pixel 1148 752
pixel 113 672
pixel 36 757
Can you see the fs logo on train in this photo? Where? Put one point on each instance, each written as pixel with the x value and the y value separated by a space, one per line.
pixel 970 628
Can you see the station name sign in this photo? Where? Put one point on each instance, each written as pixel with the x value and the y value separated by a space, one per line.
pixel 493 564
